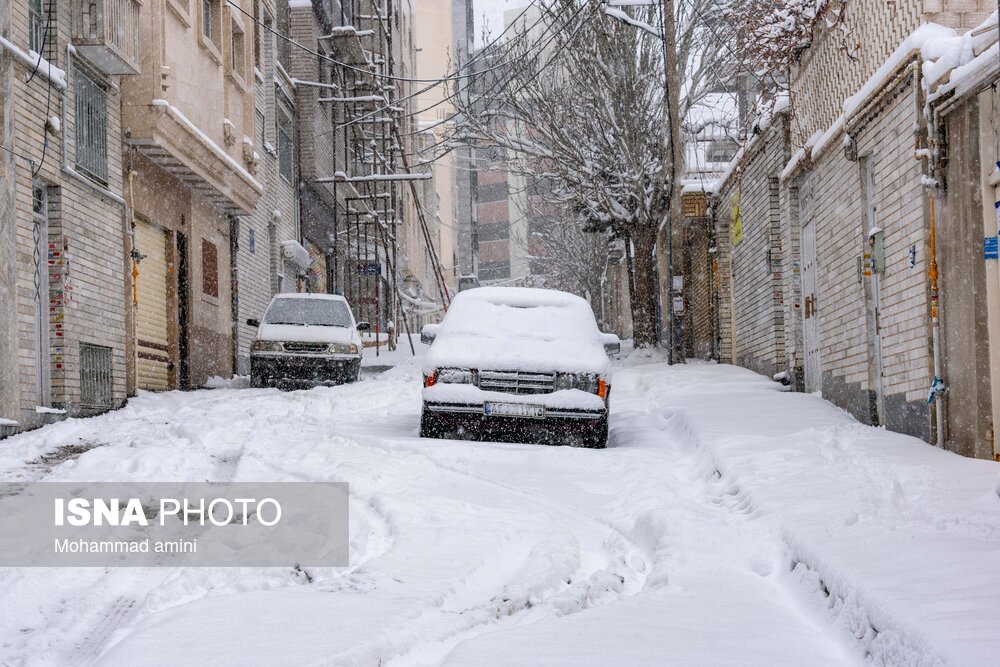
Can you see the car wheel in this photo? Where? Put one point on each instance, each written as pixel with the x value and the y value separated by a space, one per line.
pixel 598 438
pixel 429 428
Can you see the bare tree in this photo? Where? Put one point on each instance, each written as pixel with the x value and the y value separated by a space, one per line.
pixel 771 35
pixel 581 104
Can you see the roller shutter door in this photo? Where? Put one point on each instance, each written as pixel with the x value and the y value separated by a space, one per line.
pixel 153 369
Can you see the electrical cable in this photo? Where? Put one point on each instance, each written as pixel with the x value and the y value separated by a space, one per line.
pixel 362 70
pixel 482 53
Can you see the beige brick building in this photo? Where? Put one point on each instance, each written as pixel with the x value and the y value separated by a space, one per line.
pixel 63 220
pixel 824 231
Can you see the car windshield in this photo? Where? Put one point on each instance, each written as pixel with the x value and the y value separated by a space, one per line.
pixel 309 312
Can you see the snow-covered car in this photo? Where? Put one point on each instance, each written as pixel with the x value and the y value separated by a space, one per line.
pixel 306 340
pixel 511 363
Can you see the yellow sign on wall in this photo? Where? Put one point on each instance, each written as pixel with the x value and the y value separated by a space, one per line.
pixel 737 218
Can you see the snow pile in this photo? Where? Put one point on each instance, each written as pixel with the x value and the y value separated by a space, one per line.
pixel 514 328
pixel 235 382
pixel 894 542
pixel 37 64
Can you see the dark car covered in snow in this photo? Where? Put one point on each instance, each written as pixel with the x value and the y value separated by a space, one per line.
pixel 518 364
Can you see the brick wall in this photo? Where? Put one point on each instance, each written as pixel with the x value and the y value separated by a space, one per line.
pixel 85 227
pixel 757 259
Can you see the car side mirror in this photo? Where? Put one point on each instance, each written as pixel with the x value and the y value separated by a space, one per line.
pixel 364 326
pixel 429 333
pixel 253 322
pixel 612 345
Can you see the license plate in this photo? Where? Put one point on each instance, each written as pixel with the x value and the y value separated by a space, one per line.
pixel 524 410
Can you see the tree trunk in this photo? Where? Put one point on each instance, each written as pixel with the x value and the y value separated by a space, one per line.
pixel 644 310
pixel 667 263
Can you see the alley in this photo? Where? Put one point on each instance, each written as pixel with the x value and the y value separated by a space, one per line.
pixel 705 529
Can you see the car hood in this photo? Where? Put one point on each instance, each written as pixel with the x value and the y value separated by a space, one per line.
pixel 309 334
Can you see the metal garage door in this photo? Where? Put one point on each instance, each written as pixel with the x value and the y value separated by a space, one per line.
pixel 151 319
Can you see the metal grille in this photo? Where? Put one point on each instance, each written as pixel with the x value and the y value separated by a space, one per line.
pixel 91 126
pixel 306 347
pixel 95 377
pixel 517 382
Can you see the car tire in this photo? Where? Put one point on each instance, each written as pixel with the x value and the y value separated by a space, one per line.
pixel 598 438
pixel 429 427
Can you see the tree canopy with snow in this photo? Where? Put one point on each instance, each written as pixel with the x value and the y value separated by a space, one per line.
pixel 577 98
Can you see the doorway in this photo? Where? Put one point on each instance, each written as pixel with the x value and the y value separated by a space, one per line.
pixel 810 310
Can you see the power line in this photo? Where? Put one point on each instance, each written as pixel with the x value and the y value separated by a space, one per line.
pixel 484 52
pixel 524 55
pixel 362 70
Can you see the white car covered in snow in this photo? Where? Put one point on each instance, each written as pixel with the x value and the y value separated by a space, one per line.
pixel 306 340
pixel 511 363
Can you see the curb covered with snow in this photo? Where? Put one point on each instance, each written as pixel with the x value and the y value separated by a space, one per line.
pixel 897 542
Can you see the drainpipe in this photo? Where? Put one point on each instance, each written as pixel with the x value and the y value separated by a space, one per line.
pixel 937 386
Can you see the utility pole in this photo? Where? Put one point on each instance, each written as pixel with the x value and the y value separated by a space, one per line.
pixel 665 243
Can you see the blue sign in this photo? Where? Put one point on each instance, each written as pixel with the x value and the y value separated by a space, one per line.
pixel 990 247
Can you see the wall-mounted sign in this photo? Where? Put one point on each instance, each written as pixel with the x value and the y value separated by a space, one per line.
pixel 990 248
pixel 737 220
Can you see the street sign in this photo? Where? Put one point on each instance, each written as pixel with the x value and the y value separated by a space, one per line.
pixel 369 269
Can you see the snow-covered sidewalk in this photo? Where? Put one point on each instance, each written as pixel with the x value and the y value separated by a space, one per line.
pixel 728 523
pixel 895 541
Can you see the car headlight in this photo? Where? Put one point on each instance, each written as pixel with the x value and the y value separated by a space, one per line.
pixel 456 376
pixel 587 382
pixel 343 348
pixel 266 346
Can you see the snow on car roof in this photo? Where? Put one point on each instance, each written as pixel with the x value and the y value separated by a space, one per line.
pixel 518 328
pixel 309 295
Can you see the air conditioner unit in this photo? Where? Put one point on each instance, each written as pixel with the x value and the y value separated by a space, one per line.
pixel 293 252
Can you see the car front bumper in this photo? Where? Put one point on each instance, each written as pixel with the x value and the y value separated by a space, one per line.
pixel 302 369
pixel 557 427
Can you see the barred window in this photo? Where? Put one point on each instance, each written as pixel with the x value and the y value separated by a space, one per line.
pixel 209 268
pixel 91 126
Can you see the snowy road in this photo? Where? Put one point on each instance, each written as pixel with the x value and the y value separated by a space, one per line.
pixel 649 552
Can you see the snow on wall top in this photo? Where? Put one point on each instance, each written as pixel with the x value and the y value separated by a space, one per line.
pixel 518 328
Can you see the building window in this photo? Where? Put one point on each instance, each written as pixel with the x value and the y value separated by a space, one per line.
pixel 286 146
pixel 91 126
pixel 36 26
pixel 238 47
pixel 211 21
pixel 257 43
pixel 282 28
pixel 209 268
pixel 494 270
pixel 721 151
